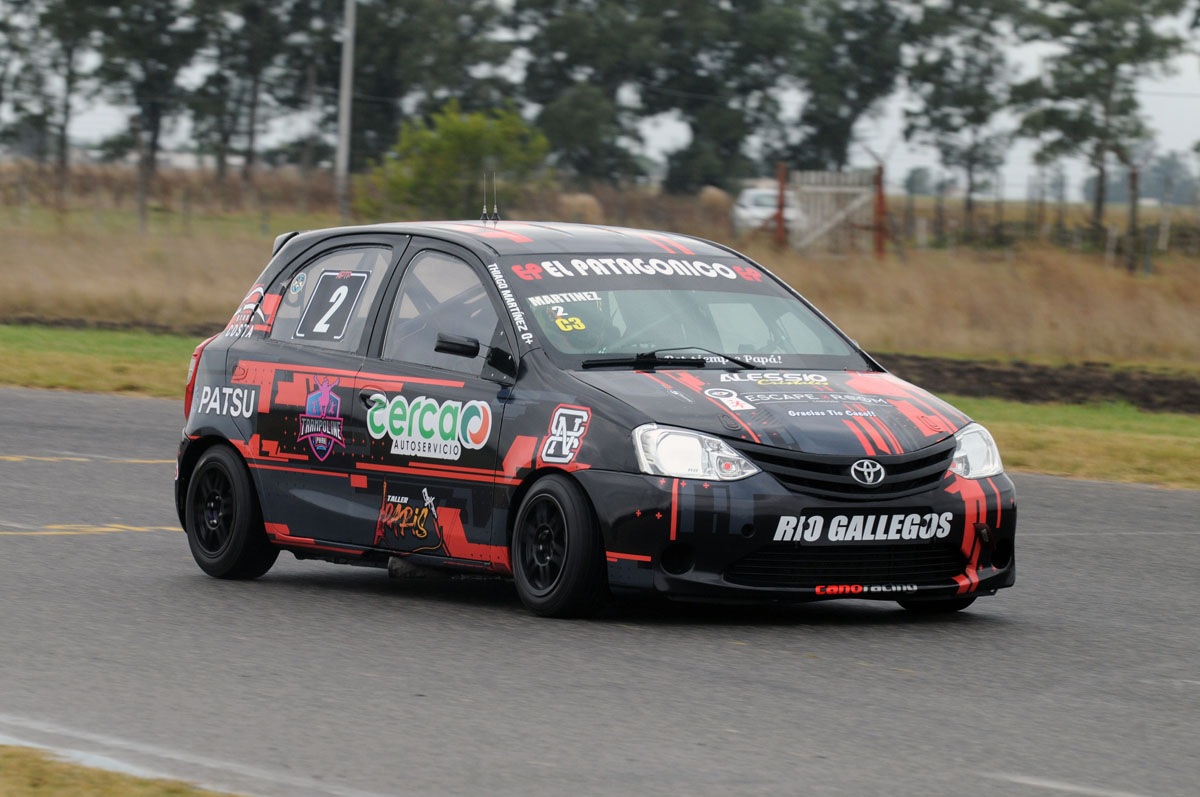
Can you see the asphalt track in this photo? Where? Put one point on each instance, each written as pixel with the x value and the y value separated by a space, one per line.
pixel 320 680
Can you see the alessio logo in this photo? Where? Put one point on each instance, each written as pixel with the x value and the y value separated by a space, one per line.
pixel 425 427
pixel 776 378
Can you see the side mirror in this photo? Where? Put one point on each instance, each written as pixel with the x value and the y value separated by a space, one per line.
pixel 456 345
pixel 500 366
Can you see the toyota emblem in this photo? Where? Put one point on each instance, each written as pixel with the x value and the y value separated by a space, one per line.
pixel 867 472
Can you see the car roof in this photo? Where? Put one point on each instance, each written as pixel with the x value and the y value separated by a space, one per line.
pixel 533 237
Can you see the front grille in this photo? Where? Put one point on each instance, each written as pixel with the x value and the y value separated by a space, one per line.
pixel 784 566
pixel 828 476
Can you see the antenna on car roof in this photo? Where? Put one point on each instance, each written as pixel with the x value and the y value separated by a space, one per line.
pixel 495 198
pixel 484 216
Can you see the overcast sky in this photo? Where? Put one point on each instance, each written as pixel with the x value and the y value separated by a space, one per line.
pixel 1170 103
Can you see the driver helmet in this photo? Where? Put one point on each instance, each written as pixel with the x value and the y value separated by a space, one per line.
pixel 576 328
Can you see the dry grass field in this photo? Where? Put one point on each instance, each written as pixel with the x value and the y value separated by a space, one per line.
pixel 1032 302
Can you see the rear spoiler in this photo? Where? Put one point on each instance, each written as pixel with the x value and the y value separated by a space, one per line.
pixel 280 240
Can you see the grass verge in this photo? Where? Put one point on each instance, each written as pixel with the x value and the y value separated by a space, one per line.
pixel 102 361
pixel 1110 442
pixel 37 773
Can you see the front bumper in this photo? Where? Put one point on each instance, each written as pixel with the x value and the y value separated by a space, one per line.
pixel 745 540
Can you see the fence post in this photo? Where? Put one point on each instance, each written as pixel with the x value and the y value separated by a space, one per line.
pixel 880 222
pixel 781 232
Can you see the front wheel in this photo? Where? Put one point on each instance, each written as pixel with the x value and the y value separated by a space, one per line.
pixel 937 605
pixel 557 554
pixel 223 520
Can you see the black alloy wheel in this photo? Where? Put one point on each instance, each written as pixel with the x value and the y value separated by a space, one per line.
pixel 223 521
pixel 557 556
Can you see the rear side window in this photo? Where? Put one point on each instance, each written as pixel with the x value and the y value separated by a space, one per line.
pixel 326 303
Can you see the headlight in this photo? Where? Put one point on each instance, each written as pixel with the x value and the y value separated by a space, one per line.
pixel 976 456
pixel 683 454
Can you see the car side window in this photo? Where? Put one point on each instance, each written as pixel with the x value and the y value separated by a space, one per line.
pixel 326 303
pixel 439 293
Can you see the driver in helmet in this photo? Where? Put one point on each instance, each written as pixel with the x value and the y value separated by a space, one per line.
pixel 576 328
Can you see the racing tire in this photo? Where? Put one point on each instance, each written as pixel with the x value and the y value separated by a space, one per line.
pixel 937 605
pixel 557 554
pixel 223 519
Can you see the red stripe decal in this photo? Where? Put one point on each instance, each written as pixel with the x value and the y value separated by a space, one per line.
pixel 674 507
pixel 278 532
pixel 862 438
pixel 656 242
pixel 613 556
pixel 458 546
pixel 880 444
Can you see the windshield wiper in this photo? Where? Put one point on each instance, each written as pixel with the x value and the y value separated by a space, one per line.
pixel 734 360
pixel 649 359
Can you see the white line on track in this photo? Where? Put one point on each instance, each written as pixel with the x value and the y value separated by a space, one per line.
pixel 66 741
pixel 1058 785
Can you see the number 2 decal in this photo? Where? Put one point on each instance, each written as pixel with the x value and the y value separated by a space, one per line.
pixel 335 301
pixel 331 305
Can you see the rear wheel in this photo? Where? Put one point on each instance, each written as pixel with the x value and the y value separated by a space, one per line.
pixel 937 605
pixel 557 555
pixel 223 520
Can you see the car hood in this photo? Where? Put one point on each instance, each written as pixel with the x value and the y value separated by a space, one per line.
pixel 825 412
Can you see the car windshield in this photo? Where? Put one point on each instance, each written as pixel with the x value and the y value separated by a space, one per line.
pixel 613 309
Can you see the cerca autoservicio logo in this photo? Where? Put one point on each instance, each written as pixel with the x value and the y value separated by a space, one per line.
pixel 426 427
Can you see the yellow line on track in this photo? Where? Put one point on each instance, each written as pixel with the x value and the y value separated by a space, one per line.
pixel 75 529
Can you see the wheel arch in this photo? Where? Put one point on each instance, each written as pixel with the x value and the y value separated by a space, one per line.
pixel 187 466
pixel 517 497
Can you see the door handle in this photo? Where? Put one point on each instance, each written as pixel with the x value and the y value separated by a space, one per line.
pixel 365 395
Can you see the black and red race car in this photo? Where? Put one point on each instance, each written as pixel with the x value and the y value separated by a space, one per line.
pixel 586 409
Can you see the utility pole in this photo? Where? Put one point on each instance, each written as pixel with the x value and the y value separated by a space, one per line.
pixel 345 92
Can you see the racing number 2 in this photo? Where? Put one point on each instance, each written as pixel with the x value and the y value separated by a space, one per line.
pixel 328 311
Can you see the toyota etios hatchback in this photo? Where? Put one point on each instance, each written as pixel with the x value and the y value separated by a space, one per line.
pixel 584 409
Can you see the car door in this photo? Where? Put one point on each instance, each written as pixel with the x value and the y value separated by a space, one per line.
pixel 305 442
pixel 434 417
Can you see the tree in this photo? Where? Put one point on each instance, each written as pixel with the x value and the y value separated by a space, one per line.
pixel 722 73
pixel 716 66
pixel 961 79
pixel 586 60
pixel 411 56
pixel 245 39
pixel 919 181
pixel 851 59
pixel 1084 100
pixel 144 45
pixel 70 28
pixel 585 130
pixel 436 169
pixel 15 27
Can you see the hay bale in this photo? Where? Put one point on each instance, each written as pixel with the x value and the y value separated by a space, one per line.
pixel 580 207
pixel 714 199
